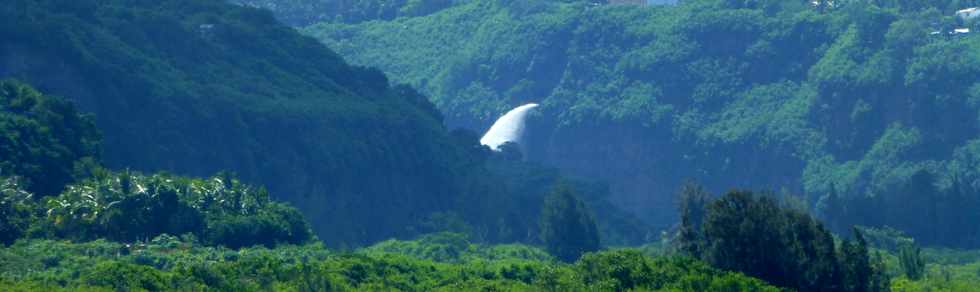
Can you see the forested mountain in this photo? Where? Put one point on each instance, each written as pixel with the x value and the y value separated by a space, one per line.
pixel 119 230
pixel 863 106
pixel 198 87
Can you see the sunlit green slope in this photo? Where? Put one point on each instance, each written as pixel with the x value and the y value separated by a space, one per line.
pixel 875 101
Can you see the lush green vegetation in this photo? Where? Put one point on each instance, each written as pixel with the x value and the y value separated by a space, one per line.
pixel 129 207
pixel 170 263
pixel 845 98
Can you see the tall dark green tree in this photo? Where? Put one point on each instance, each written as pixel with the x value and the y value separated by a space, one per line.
pixel 756 235
pixel 568 229
pixel 753 234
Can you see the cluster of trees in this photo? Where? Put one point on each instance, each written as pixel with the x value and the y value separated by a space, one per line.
pixel 851 96
pixel 127 207
pixel 771 240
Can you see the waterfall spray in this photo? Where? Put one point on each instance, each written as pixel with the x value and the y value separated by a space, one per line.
pixel 508 128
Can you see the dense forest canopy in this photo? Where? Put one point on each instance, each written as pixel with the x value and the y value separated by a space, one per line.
pixel 851 98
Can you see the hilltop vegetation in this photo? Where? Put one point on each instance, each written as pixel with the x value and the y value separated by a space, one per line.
pixel 306 12
pixel 864 106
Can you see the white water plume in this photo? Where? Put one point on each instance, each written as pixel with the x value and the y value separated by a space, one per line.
pixel 508 128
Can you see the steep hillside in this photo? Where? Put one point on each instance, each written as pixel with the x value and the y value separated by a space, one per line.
pixel 196 87
pixel 852 98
